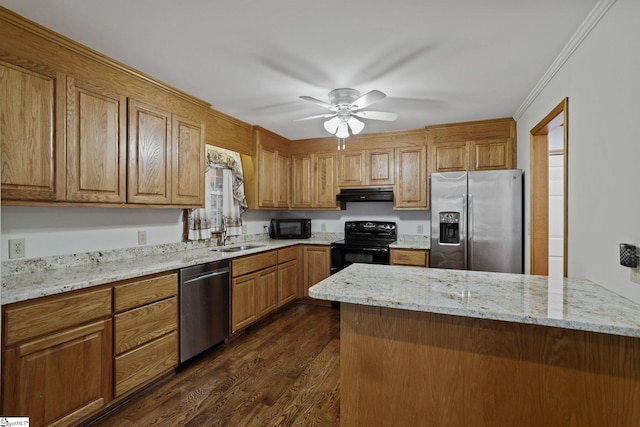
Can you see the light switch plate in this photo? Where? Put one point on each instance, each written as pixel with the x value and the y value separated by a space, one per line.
pixel 142 237
pixel 420 229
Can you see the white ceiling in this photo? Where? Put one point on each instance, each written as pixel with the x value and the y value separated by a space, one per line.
pixel 438 61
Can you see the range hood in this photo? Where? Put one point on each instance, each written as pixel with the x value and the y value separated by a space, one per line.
pixel 384 194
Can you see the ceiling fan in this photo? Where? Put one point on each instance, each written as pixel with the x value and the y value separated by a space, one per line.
pixel 346 105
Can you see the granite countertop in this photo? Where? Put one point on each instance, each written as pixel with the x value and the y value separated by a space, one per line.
pixel 42 280
pixel 567 303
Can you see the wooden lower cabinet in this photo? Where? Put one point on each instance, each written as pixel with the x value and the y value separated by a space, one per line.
pixel 412 257
pixel 68 357
pixel 267 291
pixel 61 378
pixel 288 274
pixel 145 331
pixel 254 288
pixel 317 265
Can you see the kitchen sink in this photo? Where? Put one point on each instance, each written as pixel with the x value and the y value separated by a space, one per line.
pixel 236 248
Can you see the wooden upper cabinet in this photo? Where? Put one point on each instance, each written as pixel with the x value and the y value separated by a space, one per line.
pixel 284 179
pixel 267 177
pixel 411 183
pixel 149 154
pixel 96 143
pixel 325 185
pixel 302 181
pixel 380 165
pixel 314 181
pixel 188 162
pixel 450 156
pixel 351 166
pixel 366 168
pixel 492 154
pixel 267 171
pixel 32 105
pixel 481 145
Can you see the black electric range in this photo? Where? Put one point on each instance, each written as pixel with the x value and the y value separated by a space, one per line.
pixel 364 241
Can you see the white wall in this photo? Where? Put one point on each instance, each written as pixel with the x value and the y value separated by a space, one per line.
pixel 63 230
pixel 602 81
pixel 50 231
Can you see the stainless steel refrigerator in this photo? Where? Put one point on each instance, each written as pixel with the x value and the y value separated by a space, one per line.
pixel 477 221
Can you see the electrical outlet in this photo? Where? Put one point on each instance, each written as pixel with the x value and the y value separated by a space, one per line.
pixel 17 248
pixel 323 226
pixel 244 228
pixel 142 237
pixel 420 229
pixel 635 275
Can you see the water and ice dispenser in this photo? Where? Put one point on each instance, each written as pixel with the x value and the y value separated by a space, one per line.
pixel 450 227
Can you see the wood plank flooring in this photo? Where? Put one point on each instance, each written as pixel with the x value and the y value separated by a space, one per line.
pixel 283 371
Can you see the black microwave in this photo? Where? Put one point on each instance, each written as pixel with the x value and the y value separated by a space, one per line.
pixel 295 228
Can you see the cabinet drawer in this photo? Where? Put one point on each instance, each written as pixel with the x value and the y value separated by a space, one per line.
pixel 138 326
pixel 145 291
pixel 34 319
pixel 145 363
pixel 415 257
pixel 287 254
pixel 253 263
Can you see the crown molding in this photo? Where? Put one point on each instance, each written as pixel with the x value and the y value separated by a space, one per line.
pixel 598 11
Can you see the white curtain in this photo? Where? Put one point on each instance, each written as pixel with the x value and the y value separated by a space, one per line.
pixel 224 197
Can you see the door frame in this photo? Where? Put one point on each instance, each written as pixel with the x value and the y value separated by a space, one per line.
pixel 539 193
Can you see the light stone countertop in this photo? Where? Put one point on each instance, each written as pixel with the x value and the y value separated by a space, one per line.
pixel 566 303
pixel 27 284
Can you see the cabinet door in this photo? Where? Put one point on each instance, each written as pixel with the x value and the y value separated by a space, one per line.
pixel 283 178
pixel 188 163
pixel 63 377
pixel 149 168
pixel 450 156
pixel 243 301
pixel 302 182
pixel 352 169
pixel 287 282
pixel 380 167
pixel 325 187
pixel 96 144
pixel 317 265
pixel 267 291
pixel 267 177
pixel 411 184
pixel 491 154
pixel 32 117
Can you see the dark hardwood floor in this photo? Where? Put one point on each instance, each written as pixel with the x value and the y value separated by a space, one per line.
pixel 283 371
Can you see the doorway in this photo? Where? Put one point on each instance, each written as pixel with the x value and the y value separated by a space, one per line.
pixel 549 160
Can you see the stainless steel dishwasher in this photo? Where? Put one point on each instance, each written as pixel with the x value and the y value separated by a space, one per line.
pixel 204 307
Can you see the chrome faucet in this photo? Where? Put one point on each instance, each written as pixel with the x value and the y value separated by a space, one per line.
pixel 223 235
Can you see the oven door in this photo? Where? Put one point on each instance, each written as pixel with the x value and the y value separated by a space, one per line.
pixel 343 255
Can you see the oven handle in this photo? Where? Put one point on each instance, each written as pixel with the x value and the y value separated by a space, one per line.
pixel 360 249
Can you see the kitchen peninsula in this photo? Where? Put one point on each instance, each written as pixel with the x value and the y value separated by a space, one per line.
pixel 443 347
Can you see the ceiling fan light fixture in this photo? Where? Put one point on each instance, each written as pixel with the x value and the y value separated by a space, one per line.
pixel 355 125
pixel 343 130
pixel 331 125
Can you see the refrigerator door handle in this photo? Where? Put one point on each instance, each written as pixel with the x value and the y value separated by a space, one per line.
pixel 470 230
pixel 463 230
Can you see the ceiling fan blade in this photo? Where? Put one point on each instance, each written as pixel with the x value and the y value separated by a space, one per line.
pixel 376 115
pixel 368 99
pixel 318 116
pixel 318 102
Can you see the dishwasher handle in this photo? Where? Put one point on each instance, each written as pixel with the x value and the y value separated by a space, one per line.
pixel 207 275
